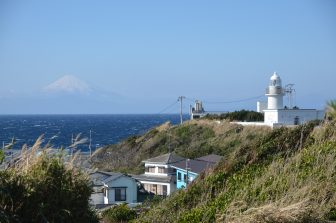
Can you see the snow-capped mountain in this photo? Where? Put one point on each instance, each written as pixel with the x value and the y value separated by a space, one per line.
pixel 68 84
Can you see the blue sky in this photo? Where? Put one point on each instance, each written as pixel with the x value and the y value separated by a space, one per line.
pixel 139 56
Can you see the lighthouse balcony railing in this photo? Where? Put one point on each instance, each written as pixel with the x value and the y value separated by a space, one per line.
pixel 277 90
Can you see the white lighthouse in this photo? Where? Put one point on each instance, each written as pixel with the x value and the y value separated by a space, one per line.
pixel 275 93
pixel 278 115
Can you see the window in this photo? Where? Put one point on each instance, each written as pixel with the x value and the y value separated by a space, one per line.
pixel 185 177
pixel 162 170
pixel 179 176
pixel 120 194
pixel 151 169
pixel 156 189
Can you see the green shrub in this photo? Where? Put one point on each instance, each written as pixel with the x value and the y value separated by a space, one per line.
pixel 119 213
pixel 45 190
pixel 2 156
pixel 331 215
pixel 242 115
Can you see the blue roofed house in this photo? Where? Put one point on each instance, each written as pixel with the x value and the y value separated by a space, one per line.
pixel 187 170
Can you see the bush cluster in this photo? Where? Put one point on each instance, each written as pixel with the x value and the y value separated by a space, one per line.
pixel 119 213
pixel 242 115
pixel 44 189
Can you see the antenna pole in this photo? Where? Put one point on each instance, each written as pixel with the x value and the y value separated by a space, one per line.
pixel 180 99
pixel 289 90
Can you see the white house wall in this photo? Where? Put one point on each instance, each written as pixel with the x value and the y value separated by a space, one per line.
pixel 97 198
pixel 122 182
pixel 271 116
pixel 287 116
pixel 156 169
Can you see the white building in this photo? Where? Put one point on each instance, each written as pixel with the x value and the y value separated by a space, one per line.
pixel 198 111
pixel 277 115
pixel 159 177
pixel 112 188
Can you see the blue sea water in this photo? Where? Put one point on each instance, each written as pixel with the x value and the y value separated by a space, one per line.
pixel 59 129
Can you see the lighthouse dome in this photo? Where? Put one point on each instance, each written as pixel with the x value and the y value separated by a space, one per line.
pixel 275 80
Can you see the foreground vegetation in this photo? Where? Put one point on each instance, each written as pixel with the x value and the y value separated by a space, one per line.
pixel 44 188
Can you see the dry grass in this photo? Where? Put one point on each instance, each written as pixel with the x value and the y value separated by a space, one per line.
pixel 29 156
pixel 273 213
pixel 300 188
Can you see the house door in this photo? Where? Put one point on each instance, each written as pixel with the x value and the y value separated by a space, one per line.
pixel 164 190
pixel 154 188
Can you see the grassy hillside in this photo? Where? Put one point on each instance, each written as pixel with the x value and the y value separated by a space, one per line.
pixel 192 139
pixel 284 175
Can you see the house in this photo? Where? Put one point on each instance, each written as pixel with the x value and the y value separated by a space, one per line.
pixel 111 188
pixel 96 178
pixel 188 170
pixel 159 177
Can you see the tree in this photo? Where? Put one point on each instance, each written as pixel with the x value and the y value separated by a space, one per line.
pixel 44 190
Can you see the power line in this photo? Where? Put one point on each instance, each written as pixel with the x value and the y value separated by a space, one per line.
pixel 180 98
pixel 168 107
pixel 228 102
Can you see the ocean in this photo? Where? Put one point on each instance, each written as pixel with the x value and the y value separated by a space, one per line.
pixel 59 129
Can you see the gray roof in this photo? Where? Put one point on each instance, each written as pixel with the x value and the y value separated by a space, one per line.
pixel 113 177
pixel 195 166
pixel 168 158
pixel 100 177
pixel 160 179
pixel 212 158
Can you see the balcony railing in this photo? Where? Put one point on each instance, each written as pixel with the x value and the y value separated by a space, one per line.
pixel 277 90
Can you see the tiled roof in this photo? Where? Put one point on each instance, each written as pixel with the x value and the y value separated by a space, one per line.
pixel 100 177
pixel 195 166
pixel 168 158
pixel 113 177
pixel 212 158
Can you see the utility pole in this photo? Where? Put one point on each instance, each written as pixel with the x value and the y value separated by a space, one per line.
pixel 90 144
pixel 180 99
pixel 187 168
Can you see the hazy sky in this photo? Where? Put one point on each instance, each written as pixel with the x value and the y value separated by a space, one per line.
pixel 139 56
